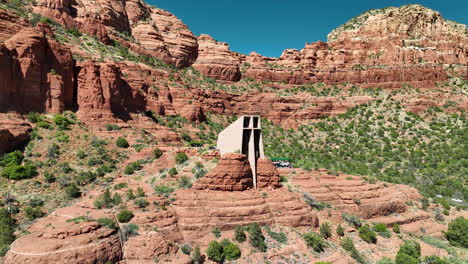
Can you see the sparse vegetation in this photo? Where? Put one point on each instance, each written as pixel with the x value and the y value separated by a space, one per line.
pixel 314 241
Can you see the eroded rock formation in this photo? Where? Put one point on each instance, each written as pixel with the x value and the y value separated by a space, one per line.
pixel 351 194
pixel 36 73
pixel 233 173
pixel 62 242
pixel 384 47
pixel 14 132
pixel 267 174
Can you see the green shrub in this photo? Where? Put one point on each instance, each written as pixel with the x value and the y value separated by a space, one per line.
pixel 104 200
pixel 366 234
pixel 325 230
pixel 340 230
pixel 120 186
pixel 216 232
pixel 44 124
pixel 256 238
pixel 348 245
pixel 382 230
pixel 132 167
pixel 197 257
pixel 7 229
pixel 109 223
pixel 396 228
pixel 125 216
pixel 215 252
pixel 122 143
pixel 314 241
pixel 181 157
pixel 231 251
pixel 352 220
pixel 163 190
pixel 12 158
pixel 61 122
pixel 172 172
pixel 278 236
pixel 184 182
pixel 141 203
pixel 72 191
pixel 32 213
pixel 140 192
pixel 19 172
pixel 409 253
pixel 434 260
pixel 35 117
pixel 112 127
pixel 457 233
pixel 239 234
pixel 186 249
pixel 157 153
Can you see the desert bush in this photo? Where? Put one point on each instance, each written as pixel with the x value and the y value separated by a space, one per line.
pixel 382 230
pixel 325 230
pixel 7 229
pixel 278 236
pixel 112 127
pixel 197 257
pixel 396 228
pixel 109 223
pixel 62 122
pixel 340 230
pixel 44 124
pixel 35 117
pixel 256 238
pixel 409 253
pixel 366 234
pixel 352 220
pixel 186 249
pixel 434 260
pixel 129 231
pixel 215 252
pixel 12 158
pixel 104 200
pixel 19 172
pixel 348 245
pixel 216 232
pixel 122 143
pixel 141 203
pixel 239 234
pixel 125 216
pixel 72 191
pixel 163 190
pixel 231 251
pixel 157 153
pixel 184 182
pixel 314 241
pixel 181 157
pixel 457 233
pixel 172 172
pixel 312 202
pixel 32 213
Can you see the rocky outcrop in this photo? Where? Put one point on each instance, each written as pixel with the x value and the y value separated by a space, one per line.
pixel 233 173
pixel 62 242
pixel 199 211
pixel 38 74
pixel 159 34
pixel 147 247
pixel 384 47
pixel 14 132
pixel 267 174
pixel 351 194
pixel 215 60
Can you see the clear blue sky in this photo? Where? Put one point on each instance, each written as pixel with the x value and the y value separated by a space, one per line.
pixel 270 26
